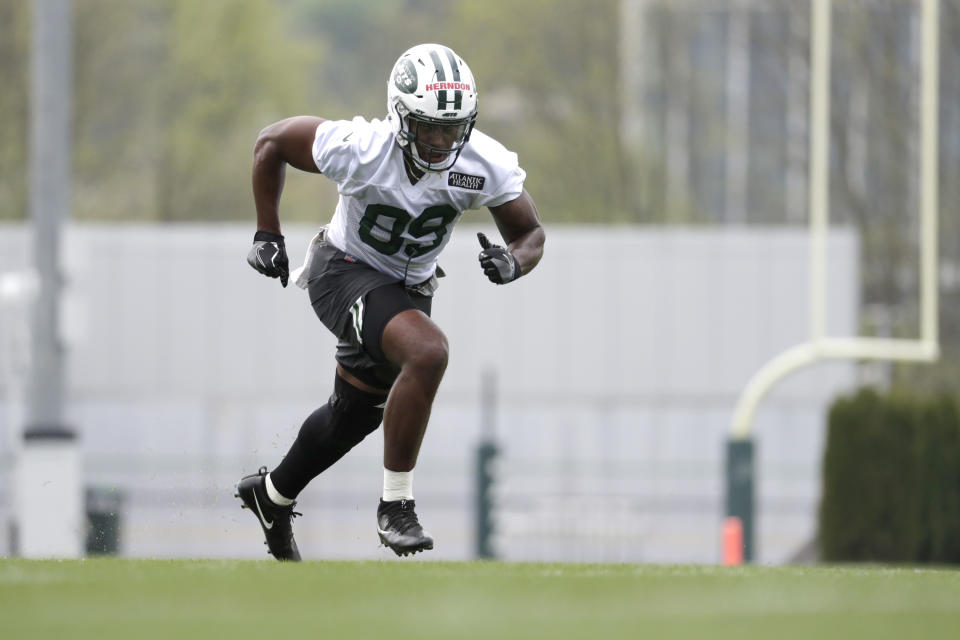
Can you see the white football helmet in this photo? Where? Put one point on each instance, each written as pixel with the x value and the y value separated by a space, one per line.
pixel 431 94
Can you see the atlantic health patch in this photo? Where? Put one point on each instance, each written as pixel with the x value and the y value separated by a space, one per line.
pixel 465 181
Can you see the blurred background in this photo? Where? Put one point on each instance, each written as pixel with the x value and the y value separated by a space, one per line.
pixel 666 144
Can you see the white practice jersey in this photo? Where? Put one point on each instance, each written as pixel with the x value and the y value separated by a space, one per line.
pixel 396 227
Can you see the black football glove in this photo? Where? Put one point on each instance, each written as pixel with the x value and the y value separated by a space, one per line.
pixel 498 264
pixel 269 256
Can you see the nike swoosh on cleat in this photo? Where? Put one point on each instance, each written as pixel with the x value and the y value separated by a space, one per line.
pixel 268 525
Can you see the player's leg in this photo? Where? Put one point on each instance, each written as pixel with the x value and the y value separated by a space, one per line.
pixel 405 351
pixel 325 437
pixel 328 434
pixel 414 343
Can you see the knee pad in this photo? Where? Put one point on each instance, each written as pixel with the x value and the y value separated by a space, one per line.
pixel 354 413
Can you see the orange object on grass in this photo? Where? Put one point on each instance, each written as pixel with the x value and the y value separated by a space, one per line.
pixel 732 542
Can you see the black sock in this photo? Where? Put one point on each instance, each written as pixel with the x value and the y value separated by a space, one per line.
pixel 311 453
pixel 326 436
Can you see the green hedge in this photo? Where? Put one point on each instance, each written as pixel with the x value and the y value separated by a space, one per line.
pixel 891 480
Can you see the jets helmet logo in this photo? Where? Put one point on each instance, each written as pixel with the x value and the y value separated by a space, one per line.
pixel 405 76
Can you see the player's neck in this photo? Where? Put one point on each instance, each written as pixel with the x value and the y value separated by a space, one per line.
pixel 414 174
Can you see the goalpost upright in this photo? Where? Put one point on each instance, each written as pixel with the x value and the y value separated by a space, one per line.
pixel 740 451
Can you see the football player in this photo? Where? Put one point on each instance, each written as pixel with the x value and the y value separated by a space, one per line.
pixel 371 272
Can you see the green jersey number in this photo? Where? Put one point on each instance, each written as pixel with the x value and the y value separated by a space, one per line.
pixel 382 227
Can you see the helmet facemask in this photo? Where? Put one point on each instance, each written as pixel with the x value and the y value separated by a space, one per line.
pixel 431 144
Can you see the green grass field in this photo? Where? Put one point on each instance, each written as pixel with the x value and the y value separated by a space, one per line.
pixel 114 598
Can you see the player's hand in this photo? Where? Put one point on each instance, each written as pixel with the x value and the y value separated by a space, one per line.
pixel 498 264
pixel 269 256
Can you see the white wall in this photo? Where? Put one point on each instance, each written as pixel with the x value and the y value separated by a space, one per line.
pixel 618 364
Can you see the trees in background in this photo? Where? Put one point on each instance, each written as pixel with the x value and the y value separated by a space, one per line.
pixel 168 100
pixel 170 96
pixel 14 45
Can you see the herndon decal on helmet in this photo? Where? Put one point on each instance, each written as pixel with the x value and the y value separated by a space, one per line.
pixel 431 86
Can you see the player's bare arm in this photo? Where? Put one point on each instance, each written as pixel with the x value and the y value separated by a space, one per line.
pixel 519 224
pixel 288 141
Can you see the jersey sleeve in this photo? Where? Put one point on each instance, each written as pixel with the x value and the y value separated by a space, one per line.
pixel 333 150
pixel 509 188
pixel 504 177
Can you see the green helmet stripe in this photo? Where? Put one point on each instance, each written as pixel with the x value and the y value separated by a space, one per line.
pixel 441 74
pixel 453 66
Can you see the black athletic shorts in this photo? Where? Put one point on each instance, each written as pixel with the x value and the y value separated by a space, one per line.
pixel 355 302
